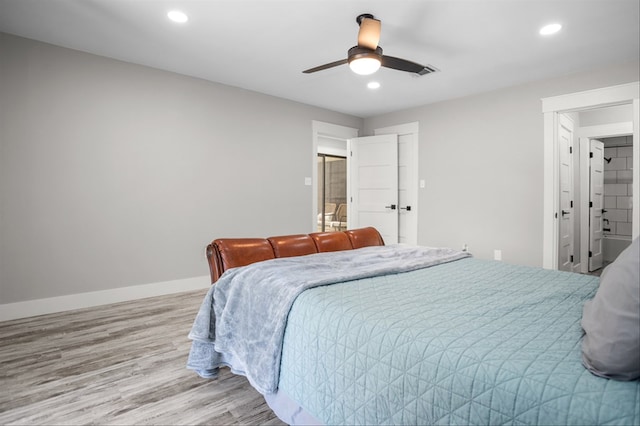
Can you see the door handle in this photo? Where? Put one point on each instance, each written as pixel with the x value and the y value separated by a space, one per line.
pixel 564 212
pixel 392 207
pixel 408 208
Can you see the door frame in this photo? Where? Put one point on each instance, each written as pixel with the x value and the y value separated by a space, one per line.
pixel 412 128
pixel 551 108
pixel 320 129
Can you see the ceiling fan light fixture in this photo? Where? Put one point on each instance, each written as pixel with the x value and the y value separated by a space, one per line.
pixel 365 61
pixel 365 66
pixel 366 57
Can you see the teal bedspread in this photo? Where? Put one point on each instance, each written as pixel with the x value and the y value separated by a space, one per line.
pixel 242 319
pixel 467 342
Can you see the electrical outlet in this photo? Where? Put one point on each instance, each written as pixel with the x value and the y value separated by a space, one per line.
pixel 497 254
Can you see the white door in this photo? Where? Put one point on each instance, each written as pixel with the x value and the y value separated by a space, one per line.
pixel 373 184
pixel 565 215
pixel 596 203
pixel 407 179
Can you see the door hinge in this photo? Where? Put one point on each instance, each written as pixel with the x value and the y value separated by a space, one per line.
pixel 571 258
pixel 570 150
pixel 571 204
pixel 590 254
pixel 590 204
pixel 591 155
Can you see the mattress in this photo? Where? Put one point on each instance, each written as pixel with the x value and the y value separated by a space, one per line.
pixel 466 342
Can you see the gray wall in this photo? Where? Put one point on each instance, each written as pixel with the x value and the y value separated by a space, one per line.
pixel 482 160
pixel 113 174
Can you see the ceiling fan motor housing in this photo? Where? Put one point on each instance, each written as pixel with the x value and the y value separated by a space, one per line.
pixel 357 52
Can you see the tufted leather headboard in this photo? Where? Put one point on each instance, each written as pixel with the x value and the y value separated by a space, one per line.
pixel 225 253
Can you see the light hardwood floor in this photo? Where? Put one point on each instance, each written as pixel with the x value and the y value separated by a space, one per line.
pixel 117 364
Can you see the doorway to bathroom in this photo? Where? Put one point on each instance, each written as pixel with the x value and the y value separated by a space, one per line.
pixel 606 185
pixel 587 109
pixel 596 186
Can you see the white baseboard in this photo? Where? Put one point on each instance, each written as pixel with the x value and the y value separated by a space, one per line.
pixel 30 308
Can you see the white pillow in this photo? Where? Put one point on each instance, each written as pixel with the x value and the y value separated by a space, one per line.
pixel 611 320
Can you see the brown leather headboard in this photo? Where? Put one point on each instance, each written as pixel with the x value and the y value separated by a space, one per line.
pixel 225 253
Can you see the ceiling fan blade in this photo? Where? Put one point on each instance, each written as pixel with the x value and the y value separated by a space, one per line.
pixel 369 33
pixel 404 65
pixel 325 66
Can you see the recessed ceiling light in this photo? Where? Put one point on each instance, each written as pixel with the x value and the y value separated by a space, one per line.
pixel 178 16
pixel 550 29
pixel 373 85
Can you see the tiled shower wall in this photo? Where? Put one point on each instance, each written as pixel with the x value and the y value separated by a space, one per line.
pixel 617 190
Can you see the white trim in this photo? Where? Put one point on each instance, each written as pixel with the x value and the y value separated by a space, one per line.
pixel 551 107
pixel 327 130
pixel 30 308
pixel 635 226
pixel 595 98
pixel 336 152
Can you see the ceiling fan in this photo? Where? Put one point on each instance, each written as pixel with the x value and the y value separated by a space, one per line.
pixel 366 58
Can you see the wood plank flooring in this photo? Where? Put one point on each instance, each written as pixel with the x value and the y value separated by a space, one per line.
pixel 117 364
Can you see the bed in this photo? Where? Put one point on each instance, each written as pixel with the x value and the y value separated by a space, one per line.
pixel 339 328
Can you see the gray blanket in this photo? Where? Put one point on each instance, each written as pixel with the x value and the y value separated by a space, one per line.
pixel 242 319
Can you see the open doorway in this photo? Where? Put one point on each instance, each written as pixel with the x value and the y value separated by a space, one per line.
pixel 606 232
pixel 329 147
pixel 582 103
pixel 332 193
pixel 595 186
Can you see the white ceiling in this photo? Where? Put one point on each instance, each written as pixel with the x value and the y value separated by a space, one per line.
pixel 263 45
